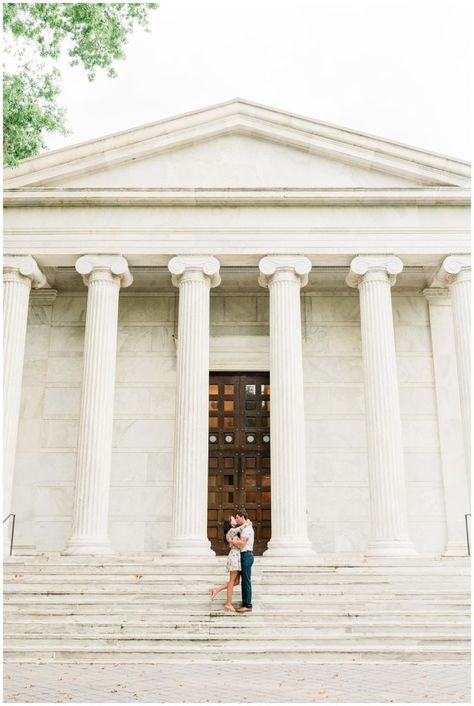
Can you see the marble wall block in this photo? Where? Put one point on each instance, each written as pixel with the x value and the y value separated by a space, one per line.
pixel 420 434
pixel 65 370
pixel 332 369
pixel 70 309
pixel 429 538
pixel 51 534
pixel 332 309
pixel 132 339
pixel 144 369
pixel 53 500
pixel 59 433
pixel 143 434
pixel 127 536
pixel 62 402
pixel 417 400
pixel 332 340
pixel 145 310
pixel 352 537
pixel 334 401
pixel 129 467
pixel 412 339
pixel 335 433
pixel 157 534
pixel 342 503
pixel 337 466
pixel 160 467
pixel 65 339
pixel 141 500
pixel 57 466
pixel 409 309
pixel 423 466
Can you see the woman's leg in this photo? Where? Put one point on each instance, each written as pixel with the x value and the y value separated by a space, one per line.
pixel 217 589
pixel 230 589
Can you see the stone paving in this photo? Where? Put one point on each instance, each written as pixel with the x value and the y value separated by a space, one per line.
pixel 217 683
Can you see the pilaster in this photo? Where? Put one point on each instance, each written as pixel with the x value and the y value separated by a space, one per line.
pixel 453 468
pixel 455 273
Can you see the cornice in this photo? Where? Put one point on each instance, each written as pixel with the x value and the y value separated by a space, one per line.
pixel 427 196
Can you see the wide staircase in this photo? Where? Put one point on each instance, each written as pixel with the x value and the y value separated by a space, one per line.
pixel 141 609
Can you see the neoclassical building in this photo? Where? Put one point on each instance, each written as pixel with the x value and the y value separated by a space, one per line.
pixel 237 306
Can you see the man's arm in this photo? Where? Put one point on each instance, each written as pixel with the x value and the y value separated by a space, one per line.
pixel 239 542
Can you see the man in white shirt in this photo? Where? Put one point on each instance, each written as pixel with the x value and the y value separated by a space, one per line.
pixel 245 544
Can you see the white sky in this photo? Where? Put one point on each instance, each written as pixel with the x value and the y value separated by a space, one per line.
pixel 394 68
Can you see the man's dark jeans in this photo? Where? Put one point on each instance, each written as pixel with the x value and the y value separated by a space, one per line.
pixel 246 560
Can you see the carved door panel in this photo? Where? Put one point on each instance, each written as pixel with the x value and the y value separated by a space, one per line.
pixel 239 454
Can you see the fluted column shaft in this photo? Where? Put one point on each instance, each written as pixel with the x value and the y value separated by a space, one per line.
pixel 103 276
pixel 455 273
pixel 20 274
pixel 194 275
pixel 284 276
pixel 374 277
pixel 456 496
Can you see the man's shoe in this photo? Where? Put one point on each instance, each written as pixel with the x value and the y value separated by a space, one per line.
pixel 244 610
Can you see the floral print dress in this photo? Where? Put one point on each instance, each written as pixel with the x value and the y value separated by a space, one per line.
pixel 233 559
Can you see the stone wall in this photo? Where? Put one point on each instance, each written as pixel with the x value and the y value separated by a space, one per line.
pixel 141 491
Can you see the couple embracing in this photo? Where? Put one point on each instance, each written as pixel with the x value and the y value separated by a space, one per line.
pixel 239 535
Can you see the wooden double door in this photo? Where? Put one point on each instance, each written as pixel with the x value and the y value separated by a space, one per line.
pixel 239 454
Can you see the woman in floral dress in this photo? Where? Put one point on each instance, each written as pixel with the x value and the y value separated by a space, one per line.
pixel 232 565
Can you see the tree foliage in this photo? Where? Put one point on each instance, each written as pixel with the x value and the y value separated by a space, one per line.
pixel 36 35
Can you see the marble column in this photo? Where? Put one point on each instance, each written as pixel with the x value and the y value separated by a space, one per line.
pixel 453 466
pixel 195 276
pixel 455 273
pixel 374 276
pixel 103 275
pixel 20 275
pixel 284 276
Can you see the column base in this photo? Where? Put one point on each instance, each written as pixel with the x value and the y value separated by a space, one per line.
pixel 78 546
pixel 190 548
pixel 390 548
pixel 287 549
pixel 455 549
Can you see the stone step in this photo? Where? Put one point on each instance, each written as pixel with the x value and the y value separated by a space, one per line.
pixel 252 653
pixel 106 602
pixel 232 629
pixel 136 611
pixel 170 589
pixel 204 581
pixel 202 641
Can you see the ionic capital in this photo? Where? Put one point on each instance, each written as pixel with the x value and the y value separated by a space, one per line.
pixel 455 268
pixel 194 267
pixel 104 265
pixel 284 267
pixel 374 267
pixel 20 266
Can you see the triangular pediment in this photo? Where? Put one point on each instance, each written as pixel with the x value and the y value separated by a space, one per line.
pixel 238 145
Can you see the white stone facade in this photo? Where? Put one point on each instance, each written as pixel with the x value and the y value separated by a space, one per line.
pixel 238 183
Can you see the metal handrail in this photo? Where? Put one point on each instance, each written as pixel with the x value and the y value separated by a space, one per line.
pixel 12 514
pixel 467 533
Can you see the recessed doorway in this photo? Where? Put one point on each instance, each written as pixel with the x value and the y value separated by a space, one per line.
pixel 239 454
